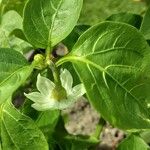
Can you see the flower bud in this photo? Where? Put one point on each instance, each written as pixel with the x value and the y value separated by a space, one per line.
pixel 39 61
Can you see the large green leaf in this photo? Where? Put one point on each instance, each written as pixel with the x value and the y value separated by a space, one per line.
pixel 145 27
pixel 48 22
pixel 110 59
pixel 11 21
pixel 18 132
pixel 19 44
pixel 133 142
pixel 14 70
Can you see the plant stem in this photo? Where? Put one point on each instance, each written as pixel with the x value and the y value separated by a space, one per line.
pixel 55 73
pixel 56 76
pixel 99 128
pixel 52 66
pixel 47 53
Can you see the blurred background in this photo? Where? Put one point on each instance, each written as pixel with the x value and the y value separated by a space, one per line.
pixel 94 11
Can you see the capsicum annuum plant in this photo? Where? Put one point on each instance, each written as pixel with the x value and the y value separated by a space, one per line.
pixel 45 58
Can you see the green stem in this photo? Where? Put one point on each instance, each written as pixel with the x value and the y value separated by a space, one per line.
pixel 52 66
pixel 56 74
pixel 99 128
pixel 48 52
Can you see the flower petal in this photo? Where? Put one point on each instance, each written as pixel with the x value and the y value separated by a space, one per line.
pixel 66 103
pixel 78 90
pixel 44 85
pixel 36 97
pixel 66 80
pixel 54 105
pixel 42 107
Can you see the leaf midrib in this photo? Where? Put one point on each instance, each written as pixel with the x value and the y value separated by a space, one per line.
pixel 52 24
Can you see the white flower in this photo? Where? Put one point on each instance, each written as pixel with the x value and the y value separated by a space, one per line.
pixel 44 100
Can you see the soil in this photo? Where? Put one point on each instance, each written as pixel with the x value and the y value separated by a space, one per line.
pixel 82 119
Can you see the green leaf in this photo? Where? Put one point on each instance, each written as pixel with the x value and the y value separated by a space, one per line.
pixel 14 70
pixel 16 5
pixel 129 18
pixel 8 26
pixel 110 59
pixel 47 120
pixel 19 132
pixel 146 136
pixel 19 34
pixel 19 45
pixel 79 142
pixel 133 142
pixel 145 27
pixel 4 42
pixel 48 22
pixel 8 40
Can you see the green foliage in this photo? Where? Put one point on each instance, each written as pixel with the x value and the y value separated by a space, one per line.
pixel 110 60
pixel 48 120
pixel 19 132
pixel 113 68
pixel 133 142
pixel 48 21
pixel 146 136
pixel 7 27
pixel 16 5
pixel 14 70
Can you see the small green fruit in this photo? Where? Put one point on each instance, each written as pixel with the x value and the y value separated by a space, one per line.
pixel 59 93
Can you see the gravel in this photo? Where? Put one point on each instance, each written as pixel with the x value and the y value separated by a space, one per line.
pixel 82 119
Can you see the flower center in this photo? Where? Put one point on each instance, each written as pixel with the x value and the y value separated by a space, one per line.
pixel 59 93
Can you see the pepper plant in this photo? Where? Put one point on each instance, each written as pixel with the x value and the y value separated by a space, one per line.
pixel 47 62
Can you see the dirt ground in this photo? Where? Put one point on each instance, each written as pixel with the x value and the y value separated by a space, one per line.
pixel 82 119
